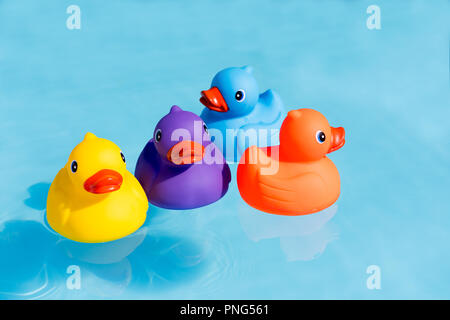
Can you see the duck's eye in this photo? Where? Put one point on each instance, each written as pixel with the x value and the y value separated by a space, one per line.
pixel 74 166
pixel 123 157
pixel 240 95
pixel 205 128
pixel 320 137
pixel 158 135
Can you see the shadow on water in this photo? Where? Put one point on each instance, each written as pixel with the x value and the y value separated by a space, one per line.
pixel 24 250
pixel 35 260
pixel 302 238
pixel 37 196
pixel 104 270
pixel 165 261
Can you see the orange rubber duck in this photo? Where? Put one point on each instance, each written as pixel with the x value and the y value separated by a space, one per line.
pixel 295 177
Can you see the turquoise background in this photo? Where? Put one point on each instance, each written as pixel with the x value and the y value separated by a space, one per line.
pixel 131 60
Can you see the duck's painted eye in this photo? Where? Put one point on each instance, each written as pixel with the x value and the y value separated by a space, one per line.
pixel 240 95
pixel 205 128
pixel 123 157
pixel 158 135
pixel 74 166
pixel 320 137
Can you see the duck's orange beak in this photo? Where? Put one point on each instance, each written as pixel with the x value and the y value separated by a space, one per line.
pixel 103 181
pixel 337 139
pixel 213 99
pixel 186 152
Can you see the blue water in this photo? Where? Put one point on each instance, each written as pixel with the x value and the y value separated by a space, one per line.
pixel 131 60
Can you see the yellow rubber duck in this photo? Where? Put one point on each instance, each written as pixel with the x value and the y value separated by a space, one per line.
pixel 94 198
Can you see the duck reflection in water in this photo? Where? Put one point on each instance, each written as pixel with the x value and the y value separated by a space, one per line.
pixel 302 238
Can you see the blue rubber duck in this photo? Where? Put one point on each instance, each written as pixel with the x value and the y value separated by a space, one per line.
pixel 237 115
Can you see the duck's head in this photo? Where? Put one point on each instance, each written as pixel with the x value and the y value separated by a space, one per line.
pixel 233 91
pixel 306 135
pixel 180 137
pixel 96 166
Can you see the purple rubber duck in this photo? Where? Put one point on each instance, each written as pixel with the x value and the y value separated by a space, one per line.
pixel 180 167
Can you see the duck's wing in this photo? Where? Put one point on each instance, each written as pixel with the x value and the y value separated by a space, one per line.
pixel 290 188
pixel 148 166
